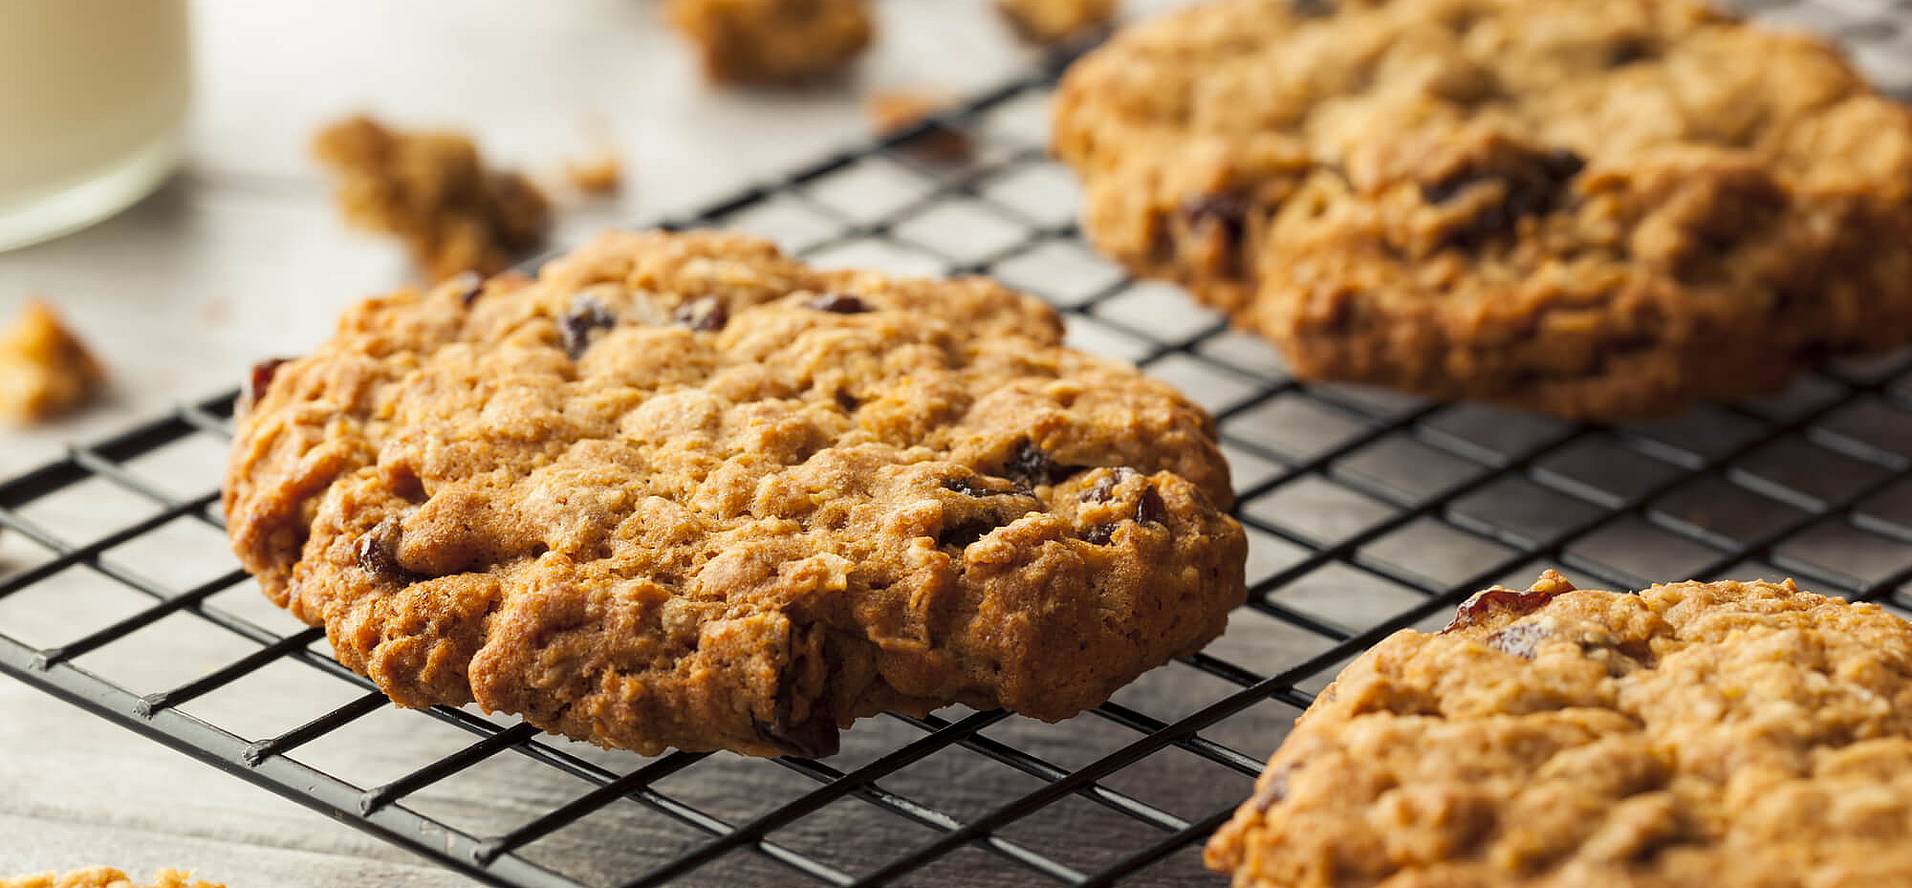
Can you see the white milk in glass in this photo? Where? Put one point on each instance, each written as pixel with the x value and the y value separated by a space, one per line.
pixel 92 101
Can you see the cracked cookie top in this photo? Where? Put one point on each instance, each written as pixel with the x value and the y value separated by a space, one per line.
pixel 1730 734
pixel 683 491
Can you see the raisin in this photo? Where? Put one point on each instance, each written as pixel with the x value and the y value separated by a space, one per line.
pixel 587 315
pixel 470 284
pixel 840 303
pixel 1519 639
pixel 968 487
pixel 1554 169
pixel 964 532
pixel 1030 466
pixel 1105 487
pixel 847 401
pixel 1534 194
pixel 706 315
pixel 261 378
pixel 1497 600
pixel 1229 211
pixel 1562 164
pixel 1447 187
pixel 1150 507
pixel 377 552
pixel 1628 50
pixel 1312 8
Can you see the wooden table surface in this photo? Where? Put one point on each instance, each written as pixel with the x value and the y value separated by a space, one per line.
pixel 240 256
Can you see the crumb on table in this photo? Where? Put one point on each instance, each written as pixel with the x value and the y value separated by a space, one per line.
pixel 895 111
pixel 105 877
pixel 44 369
pixel 773 41
pixel 599 174
pixel 1056 21
pixel 433 190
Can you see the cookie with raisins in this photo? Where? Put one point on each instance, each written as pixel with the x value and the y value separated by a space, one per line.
pixel 1724 734
pixel 682 491
pixel 1603 209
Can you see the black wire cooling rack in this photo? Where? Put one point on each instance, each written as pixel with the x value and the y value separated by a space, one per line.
pixel 1367 512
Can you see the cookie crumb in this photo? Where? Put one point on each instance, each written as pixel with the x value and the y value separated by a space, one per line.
pixel 892 112
pixel 433 190
pixel 215 312
pixel 44 369
pixel 599 175
pixel 105 877
pixel 773 42
pixel 1049 22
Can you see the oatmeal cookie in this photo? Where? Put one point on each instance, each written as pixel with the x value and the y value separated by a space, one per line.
pixel 45 370
pixel 772 42
pixel 683 491
pixel 105 877
pixel 434 191
pixel 1723 734
pixel 1598 208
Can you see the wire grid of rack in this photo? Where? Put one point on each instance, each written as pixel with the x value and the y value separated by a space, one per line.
pixel 1367 512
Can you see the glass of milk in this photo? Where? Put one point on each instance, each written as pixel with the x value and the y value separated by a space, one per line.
pixel 92 107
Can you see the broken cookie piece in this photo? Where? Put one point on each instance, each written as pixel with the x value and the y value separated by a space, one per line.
pixel 598 175
pixel 44 370
pixel 773 42
pixel 1049 22
pixel 433 190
